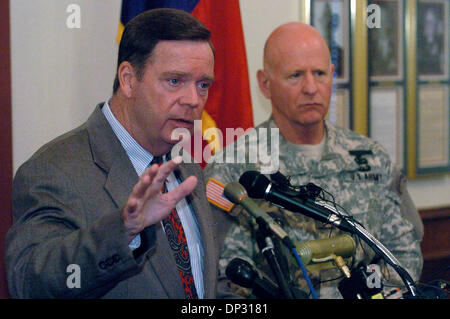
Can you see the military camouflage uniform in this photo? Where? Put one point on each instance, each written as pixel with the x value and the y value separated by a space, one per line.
pixel 365 195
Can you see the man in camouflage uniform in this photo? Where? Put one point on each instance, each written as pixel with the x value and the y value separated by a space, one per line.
pixel 297 78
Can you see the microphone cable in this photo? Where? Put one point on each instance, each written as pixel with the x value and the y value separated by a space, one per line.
pixel 313 192
pixel 305 273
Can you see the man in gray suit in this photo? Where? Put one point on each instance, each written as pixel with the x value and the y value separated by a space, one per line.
pixel 92 216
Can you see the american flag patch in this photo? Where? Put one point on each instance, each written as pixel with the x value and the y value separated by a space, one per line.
pixel 214 193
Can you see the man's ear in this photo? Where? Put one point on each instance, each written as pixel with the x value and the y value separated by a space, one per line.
pixel 127 78
pixel 332 70
pixel 263 82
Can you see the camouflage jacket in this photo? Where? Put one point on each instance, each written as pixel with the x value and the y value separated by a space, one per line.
pixel 359 183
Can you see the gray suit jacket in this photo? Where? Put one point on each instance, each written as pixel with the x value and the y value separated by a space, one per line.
pixel 67 201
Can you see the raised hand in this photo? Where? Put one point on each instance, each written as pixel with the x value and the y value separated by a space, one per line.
pixel 147 204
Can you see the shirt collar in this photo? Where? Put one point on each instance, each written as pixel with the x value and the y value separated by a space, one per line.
pixel 332 155
pixel 139 157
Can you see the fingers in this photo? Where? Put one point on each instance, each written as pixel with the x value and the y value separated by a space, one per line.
pixel 144 182
pixel 131 205
pixel 159 175
pixel 183 190
pixel 152 181
pixel 146 204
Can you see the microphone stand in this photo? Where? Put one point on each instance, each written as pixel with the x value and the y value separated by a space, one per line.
pixel 265 244
pixel 259 186
pixel 379 249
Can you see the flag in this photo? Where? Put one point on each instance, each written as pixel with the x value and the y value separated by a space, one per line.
pixel 229 101
pixel 131 8
pixel 215 194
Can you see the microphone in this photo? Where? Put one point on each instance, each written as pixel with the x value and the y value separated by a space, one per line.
pixel 315 250
pixel 259 186
pixel 237 194
pixel 243 274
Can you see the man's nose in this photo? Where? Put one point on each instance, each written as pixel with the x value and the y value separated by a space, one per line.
pixel 309 84
pixel 190 96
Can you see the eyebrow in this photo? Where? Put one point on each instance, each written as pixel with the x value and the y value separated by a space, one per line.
pixel 184 74
pixel 323 69
pixel 209 78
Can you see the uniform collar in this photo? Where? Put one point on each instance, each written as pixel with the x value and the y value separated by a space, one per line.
pixel 333 157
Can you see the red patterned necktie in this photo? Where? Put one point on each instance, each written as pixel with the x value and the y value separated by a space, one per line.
pixel 177 241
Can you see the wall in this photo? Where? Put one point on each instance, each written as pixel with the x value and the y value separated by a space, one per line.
pixel 58 74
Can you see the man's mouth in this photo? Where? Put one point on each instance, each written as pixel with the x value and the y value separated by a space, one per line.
pixel 183 122
pixel 311 104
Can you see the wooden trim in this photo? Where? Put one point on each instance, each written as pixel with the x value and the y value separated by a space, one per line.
pixel 435 255
pixel 435 213
pixel 411 85
pixel 5 138
pixel 305 11
pixel 435 244
pixel 360 66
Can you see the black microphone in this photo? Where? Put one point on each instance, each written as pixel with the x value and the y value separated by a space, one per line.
pixel 243 274
pixel 259 186
pixel 237 194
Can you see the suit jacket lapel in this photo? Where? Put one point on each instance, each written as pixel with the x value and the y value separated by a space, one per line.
pixel 110 156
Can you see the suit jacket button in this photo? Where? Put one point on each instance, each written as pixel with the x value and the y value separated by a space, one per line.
pixel 116 258
pixel 109 261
